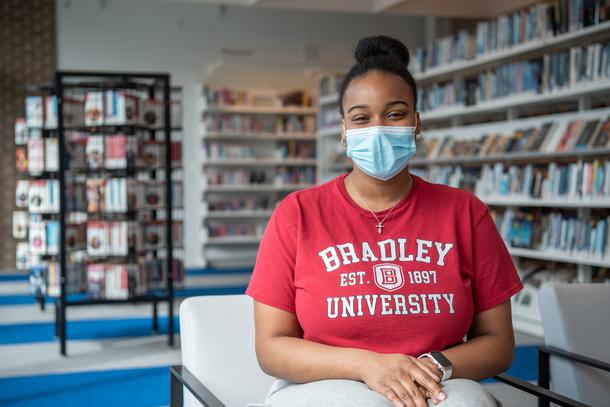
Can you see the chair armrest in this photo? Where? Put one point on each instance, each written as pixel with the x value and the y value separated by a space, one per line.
pixel 179 377
pixel 575 357
pixel 538 391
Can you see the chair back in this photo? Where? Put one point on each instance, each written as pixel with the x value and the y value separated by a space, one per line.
pixel 217 339
pixel 575 318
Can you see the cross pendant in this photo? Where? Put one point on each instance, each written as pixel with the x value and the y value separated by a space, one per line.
pixel 379 227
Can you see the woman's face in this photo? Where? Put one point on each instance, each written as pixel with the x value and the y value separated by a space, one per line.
pixel 378 99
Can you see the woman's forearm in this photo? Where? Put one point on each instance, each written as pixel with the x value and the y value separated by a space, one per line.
pixel 299 360
pixel 481 357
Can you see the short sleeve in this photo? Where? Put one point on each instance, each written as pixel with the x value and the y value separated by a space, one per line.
pixel 495 278
pixel 272 280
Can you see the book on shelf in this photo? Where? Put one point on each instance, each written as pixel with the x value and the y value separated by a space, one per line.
pixel 224 96
pixel 43 196
pixel 21 131
pixel 34 111
pixel 20 224
pixel 95 152
pixel 52 237
pixel 555 232
pixel 96 280
pixel 330 84
pixel 552 72
pixel 37 237
pixel 21 159
pixel 35 156
pixel 37 280
pixel 51 154
pixel 21 193
pixel 527 25
pixel 22 256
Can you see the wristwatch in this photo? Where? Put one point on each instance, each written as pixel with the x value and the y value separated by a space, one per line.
pixel 439 360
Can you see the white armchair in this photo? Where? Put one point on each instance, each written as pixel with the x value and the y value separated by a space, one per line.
pixel 217 340
pixel 219 366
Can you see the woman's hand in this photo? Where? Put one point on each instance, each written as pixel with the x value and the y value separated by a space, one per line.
pixel 399 377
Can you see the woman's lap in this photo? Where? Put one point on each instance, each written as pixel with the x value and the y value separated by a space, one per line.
pixel 339 393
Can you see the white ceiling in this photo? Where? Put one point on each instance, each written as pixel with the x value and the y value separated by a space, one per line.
pixel 444 8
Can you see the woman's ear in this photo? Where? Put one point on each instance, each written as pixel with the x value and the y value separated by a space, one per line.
pixel 418 123
pixel 343 139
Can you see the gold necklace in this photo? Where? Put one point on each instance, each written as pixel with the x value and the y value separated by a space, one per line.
pixel 379 225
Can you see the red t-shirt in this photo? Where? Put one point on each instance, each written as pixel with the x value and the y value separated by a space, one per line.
pixel 413 288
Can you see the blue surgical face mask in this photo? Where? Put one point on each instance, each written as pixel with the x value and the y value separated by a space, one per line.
pixel 381 151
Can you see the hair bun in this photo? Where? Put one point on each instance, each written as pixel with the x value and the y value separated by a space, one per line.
pixel 381 45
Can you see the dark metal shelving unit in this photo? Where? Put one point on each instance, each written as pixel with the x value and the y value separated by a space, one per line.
pixel 151 82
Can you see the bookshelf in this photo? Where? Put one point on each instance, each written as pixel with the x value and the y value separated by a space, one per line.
pixel 119 192
pixel 571 205
pixel 551 203
pixel 331 155
pixel 259 145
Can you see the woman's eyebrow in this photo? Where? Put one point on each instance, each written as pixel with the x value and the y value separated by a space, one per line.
pixel 397 102
pixel 357 107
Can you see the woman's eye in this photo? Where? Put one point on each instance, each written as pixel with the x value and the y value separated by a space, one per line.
pixel 359 118
pixel 396 115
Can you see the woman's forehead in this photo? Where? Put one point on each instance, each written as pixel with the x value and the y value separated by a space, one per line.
pixel 377 88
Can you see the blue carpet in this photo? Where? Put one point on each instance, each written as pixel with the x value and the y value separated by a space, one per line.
pixel 130 387
pixel 13 277
pixel 21 299
pixel 82 330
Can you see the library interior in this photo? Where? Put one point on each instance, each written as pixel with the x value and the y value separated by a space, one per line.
pixel 290 203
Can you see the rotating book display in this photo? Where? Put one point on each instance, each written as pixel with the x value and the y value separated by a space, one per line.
pixel 104 224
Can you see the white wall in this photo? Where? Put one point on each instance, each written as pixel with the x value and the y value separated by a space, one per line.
pixel 184 39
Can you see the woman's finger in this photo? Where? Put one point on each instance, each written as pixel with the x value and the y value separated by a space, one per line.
pixel 407 390
pixel 423 378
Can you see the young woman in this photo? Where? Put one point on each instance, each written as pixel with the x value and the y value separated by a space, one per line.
pixel 379 288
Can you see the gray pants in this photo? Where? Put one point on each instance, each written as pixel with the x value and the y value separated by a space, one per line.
pixel 341 393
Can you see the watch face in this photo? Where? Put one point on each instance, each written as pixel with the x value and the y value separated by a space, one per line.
pixel 440 358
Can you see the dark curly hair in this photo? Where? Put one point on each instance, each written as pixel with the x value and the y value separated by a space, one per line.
pixel 381 53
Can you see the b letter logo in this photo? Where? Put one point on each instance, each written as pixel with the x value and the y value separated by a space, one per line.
pixel 388 277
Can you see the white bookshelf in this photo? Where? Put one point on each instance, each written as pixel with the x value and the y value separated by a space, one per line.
pixel 520 101
pixel 505 115
pixel 237 250
pixel 524 50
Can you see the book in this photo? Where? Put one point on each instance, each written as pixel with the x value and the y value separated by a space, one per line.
pixel 52 230
pixel 21 193
pixel 153 113
pixel 589 130
pixel 51 154
pixel 116 151
pixel 37 238
pixel 50 112
pixel 37 196
pixel 22 256
pixel 602 138
pixel 35 156
pixel 34 111
pixel 121 107
pixel 95 152
pixel 21 131
pixel 96 190
pixel 96 280
pixel 94 108
pixel 20 224
pixel 21 159
pixel 570 135
pixel 97 238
